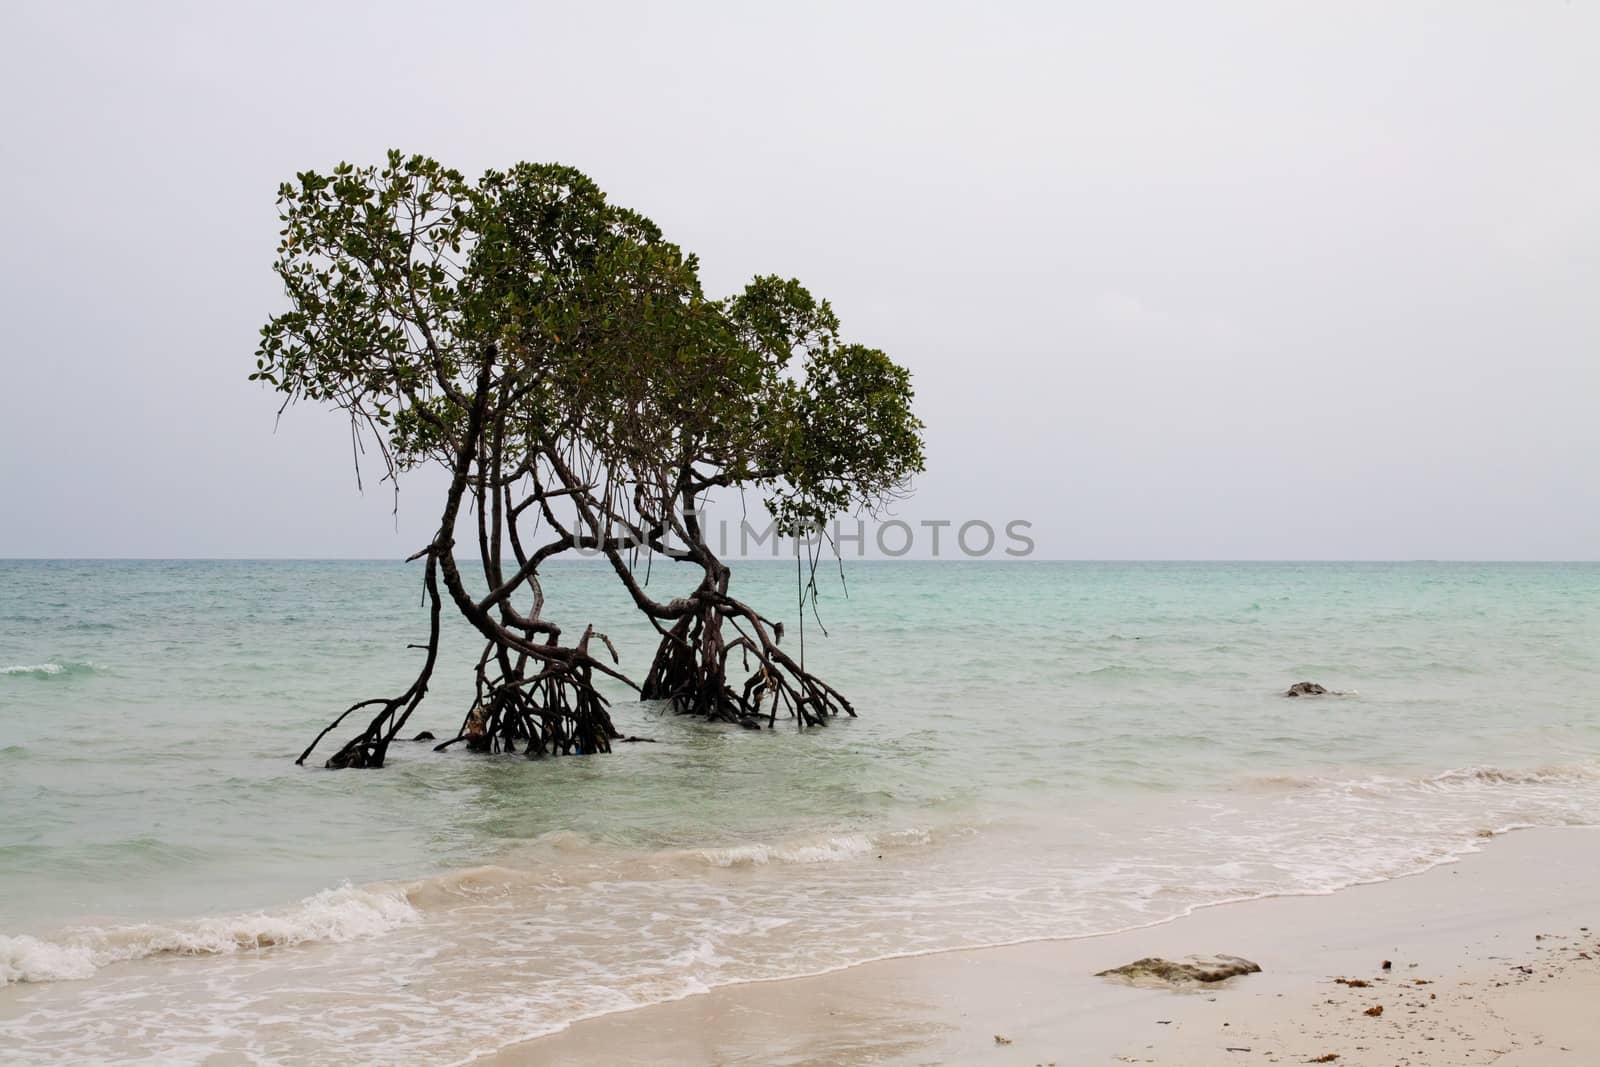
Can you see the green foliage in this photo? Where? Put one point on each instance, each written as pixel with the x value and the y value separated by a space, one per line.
pixel 847 436
pixel 406 281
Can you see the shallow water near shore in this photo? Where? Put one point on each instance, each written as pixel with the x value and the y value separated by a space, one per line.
pixel 1044 750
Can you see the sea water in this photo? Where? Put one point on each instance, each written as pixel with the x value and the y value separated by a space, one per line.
pixel 1043 750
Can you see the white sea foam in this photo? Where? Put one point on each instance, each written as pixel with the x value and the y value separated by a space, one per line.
pixel 824 849
pixel 48 670
pixel 342 914
pixel 1455 778
pixel 547 948
pixel 28 959
pixel 1550 773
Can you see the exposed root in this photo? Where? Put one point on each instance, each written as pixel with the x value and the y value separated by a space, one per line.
pixel 692 663
pixel 554 714
pixel 371 746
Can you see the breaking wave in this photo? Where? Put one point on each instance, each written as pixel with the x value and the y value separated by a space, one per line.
pixel 1552 773
pixel 342 914
pixel 1456 778
pixel 351 912
pixel 48 670
pixel 829 849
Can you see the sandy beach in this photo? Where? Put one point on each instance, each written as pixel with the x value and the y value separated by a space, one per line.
pixel 1492 960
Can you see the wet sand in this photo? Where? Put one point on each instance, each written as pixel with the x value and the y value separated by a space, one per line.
pixel 1493 960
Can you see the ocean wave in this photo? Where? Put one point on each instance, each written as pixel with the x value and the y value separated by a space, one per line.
pixel 1555 772
pixel 1455 778
pixel 49 670
pixel 29 959
pixel 342 914
pixel 566 858
pixel 534 960
pixel 821 849
pixel 352 912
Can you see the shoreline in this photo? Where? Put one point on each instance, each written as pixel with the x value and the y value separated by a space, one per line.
pixel 1472 943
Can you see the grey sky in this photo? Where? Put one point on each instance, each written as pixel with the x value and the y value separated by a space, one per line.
pixel 1175 280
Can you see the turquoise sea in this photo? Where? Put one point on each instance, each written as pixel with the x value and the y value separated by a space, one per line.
pixel 1044 750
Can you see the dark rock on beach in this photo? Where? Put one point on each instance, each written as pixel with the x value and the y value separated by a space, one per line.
pixel 1155 970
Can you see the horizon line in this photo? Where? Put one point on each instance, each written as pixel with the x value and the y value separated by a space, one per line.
pixel 828 559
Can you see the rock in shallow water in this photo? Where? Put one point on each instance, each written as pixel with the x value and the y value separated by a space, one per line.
pixel 1310 689
pixel 1153 970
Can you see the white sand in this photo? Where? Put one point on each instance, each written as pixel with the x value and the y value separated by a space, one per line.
pixel 1466 930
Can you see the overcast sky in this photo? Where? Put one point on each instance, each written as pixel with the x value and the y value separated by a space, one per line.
pixel 1271 280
